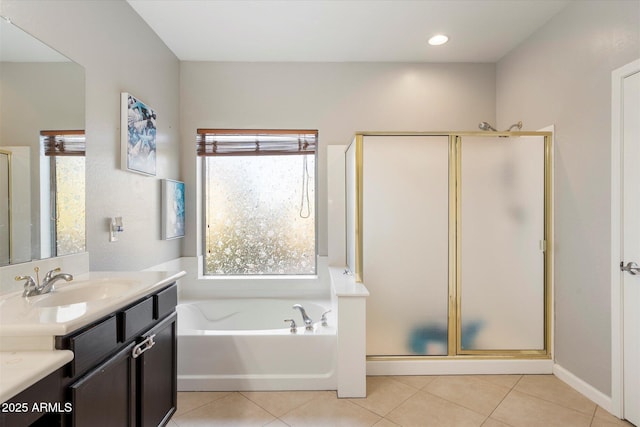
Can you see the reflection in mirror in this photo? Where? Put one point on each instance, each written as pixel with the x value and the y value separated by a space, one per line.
pixel 65 149
pixel 5 220
pixel 41 90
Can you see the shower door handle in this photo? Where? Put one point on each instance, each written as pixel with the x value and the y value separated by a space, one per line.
pixel 631 267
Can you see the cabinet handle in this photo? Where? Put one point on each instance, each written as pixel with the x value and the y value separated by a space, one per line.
pixel 143 346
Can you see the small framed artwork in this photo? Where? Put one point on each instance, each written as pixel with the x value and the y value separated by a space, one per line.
pixel 138 139
pixel 172 209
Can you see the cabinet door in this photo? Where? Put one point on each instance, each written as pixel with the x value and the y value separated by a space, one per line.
pixel 106 395
pixel 158 375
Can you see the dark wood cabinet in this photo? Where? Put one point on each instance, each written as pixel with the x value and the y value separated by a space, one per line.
pixel 106 395
pixel 124 371
pixel 157 376
pixel 135 387
pixel 19 409
pixel 130 380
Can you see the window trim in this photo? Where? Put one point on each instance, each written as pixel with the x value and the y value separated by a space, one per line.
pixel 202 274
pixel 255 142
pixel 63 142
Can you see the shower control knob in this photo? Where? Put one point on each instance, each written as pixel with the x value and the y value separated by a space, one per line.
pixel 292 325
pixel 323 319
pixel 631 267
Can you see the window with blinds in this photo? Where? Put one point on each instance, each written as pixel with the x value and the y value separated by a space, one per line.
pixel 260 196
pixel 63 142
pixel 66 150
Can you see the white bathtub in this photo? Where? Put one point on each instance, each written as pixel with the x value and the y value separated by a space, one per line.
pixel 245 344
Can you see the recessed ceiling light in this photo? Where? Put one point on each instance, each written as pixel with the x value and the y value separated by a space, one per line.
pixel 438 39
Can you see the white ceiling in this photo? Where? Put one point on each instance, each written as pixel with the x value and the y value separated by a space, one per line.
pixel 344 30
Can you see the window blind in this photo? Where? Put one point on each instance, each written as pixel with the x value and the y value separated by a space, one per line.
pixel 252 142
pixel 63 142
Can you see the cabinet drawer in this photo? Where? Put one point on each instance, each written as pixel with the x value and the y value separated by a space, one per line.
pixel 165 301
pixel 136 318
pixel 93 345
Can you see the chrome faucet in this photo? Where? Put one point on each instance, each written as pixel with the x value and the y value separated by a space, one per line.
pixel 308 323
pixel 30 287
pixel 33 287
pixel 49 280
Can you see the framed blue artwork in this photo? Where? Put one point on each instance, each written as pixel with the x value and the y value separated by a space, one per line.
pixel 138 136
pixel 172 209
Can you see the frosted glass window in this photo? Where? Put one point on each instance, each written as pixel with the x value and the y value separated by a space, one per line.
pixel 502 264
pixel 70 204
pixel 260 215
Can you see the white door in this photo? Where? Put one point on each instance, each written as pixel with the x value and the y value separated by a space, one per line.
pixel 630 133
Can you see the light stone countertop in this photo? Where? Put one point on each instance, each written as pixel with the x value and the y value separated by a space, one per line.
pixel 345 285
pixel 28 326
pixel 21 369
pixel 31 323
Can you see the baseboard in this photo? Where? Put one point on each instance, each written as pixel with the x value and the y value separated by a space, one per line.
pixel 459 367
pixel 583 388
pixel 256 382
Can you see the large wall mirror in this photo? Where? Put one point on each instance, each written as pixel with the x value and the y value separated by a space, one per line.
pixel 42 198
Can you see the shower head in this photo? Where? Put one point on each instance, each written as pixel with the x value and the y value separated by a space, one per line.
pixel 486 126
pixel 515 125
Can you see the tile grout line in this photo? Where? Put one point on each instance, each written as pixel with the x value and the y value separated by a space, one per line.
pixel 281 420
pixel 416 390
pixel 593 416
pixel 487 417
pixel 505 396
pixel 274 415
pixel 360 407
pixel 260 406
pixel 555 403
pixel 454 403
pixel 198 407
pixel 469 409
pixel 500 403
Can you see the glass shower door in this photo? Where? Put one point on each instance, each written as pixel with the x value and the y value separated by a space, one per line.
pixel 405 188
pixel 501 243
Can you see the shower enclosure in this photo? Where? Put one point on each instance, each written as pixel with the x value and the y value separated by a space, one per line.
pixel 450 232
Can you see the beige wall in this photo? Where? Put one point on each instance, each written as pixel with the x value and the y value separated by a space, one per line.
pixel 338 99
pixel 120 53
pixel 35 97
pixel 562 75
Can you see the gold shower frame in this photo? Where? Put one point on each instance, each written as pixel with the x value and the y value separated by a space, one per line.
pixel 454 346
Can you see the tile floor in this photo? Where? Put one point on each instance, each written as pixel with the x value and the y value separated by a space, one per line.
pixel 440 401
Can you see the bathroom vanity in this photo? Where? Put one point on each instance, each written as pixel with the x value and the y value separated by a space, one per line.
pixel 123 370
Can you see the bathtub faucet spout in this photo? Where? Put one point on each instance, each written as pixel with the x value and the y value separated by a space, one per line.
pixel 308 323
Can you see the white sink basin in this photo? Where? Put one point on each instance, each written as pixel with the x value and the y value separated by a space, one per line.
pixel 28 324
pixel 84 292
